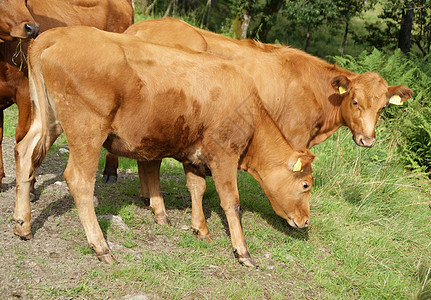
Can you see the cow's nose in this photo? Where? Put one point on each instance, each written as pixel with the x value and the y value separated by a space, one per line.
pixel 307 222
pixel 31 30
pixel 364 141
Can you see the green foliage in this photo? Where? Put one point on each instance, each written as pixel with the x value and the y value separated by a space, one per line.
pixel 411 122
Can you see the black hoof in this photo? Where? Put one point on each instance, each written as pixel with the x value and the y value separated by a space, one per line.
pixel 146 202
pixel 33 197
pixel 109 178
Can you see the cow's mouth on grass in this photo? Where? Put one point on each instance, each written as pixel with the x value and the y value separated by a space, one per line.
pixel 364 141
pixel 294 224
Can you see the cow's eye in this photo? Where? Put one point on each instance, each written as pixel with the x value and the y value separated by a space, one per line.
pixel 354 102
pixel 305 185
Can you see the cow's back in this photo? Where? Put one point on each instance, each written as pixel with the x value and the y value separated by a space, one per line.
pixel 144 92
pixel 109 15
pixel 174 32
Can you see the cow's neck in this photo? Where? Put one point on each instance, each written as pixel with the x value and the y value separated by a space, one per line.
pixel 267 148
pixel 326 98
pixel 330 101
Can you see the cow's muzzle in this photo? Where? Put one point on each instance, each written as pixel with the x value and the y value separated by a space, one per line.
pixel 364 141
pixel 31 30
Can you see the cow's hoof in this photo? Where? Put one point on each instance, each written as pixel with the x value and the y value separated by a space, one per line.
pixel 109 178
pixel 244 259
pixel 247 261
pixel 33 197
pixel 23 234
pixel 107 258
pixel 162 220
pixel 201 236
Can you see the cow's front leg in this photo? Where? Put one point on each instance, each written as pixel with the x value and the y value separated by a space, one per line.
pixel 196 184
pixel 149 175
pixel 80 176
pixel 225 180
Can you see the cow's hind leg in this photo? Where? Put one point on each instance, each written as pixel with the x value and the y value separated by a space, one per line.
pixel 111 166
pixel 149 175
pixel 80 175
pixel 26 152
pixel 196 184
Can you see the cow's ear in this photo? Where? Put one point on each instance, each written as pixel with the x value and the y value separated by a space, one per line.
pixel 341 84
pixel 301 160
pixel 398 94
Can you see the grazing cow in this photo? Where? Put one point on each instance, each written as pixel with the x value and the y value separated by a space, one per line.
pixel 109 15
pixel 309 98
pixel 16 22
pixel 148 102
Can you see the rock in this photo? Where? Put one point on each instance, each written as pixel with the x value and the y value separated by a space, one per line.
pixel 115 220
pixel 185 227
pixel 63 150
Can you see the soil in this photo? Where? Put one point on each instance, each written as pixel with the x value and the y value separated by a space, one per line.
pixel 50 259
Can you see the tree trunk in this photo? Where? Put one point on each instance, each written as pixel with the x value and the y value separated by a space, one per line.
pixel 406 28
pixel 207 14
pixel 246 17
pixel 168 9
pixel 307 42
pixel 346 32
pixel 270 11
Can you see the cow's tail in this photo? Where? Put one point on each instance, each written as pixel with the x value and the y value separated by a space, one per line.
pixel 42 112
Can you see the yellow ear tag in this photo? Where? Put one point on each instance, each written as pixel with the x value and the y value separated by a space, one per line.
pixel 297 167
pixel 342 90
pixel 396 100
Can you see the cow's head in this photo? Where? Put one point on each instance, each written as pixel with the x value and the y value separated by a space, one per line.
pixel 287 187
pixel 16 21
pixel 363 98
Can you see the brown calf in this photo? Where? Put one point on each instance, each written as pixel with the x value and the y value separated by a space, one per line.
pixel 148 102
pixel 309 98
pixel 109 15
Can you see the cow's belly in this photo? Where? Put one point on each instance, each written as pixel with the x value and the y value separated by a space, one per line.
pixel 149 148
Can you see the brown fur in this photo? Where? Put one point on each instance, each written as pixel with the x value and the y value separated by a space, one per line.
pixel 149 111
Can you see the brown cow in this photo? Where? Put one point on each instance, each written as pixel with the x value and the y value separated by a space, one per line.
pixel 110 15
pixel 309 98
pixel 16 22
pixel 148 102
